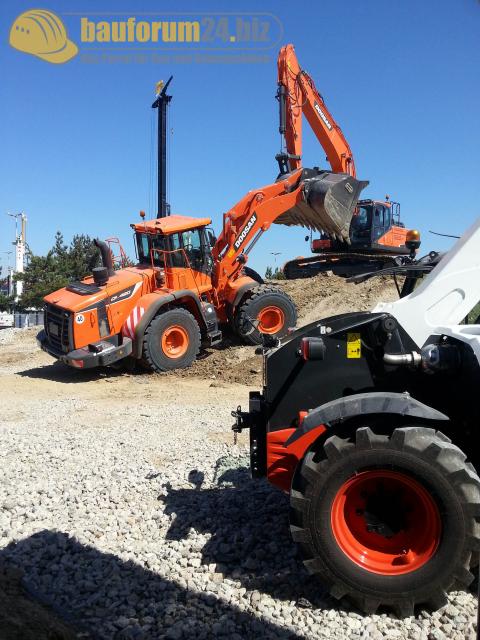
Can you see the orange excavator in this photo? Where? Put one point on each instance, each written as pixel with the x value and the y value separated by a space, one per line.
pixel 188 285
pixel 368 237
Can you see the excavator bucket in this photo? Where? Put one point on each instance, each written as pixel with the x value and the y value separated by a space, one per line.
pixel 329 202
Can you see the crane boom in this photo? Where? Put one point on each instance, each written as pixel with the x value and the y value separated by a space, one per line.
pixel 298 96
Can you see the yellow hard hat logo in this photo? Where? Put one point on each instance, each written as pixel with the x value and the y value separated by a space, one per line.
pixel 41 33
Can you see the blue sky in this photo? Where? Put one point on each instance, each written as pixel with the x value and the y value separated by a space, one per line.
pixel 400 77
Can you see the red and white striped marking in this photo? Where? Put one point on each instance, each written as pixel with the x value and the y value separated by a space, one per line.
pixel 128 329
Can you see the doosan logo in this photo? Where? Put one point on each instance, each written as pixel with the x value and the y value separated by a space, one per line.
pixel 323 116
pixel 245 231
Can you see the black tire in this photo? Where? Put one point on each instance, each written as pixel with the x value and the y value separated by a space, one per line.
pixel 155 358
pixel 427 458
pixel 257 299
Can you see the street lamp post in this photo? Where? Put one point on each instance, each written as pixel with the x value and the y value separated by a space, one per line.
pixel 20 240
pixel 275 254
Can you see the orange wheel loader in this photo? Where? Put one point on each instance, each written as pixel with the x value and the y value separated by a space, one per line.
pixel 187 283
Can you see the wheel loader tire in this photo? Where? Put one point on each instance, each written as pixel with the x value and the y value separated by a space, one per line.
pixel 265 309
pixel 388 521
pixel 171 341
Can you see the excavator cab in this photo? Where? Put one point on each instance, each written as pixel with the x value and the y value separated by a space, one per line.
pixel 374 225
pixel 377 224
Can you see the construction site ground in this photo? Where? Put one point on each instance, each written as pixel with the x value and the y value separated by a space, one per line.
pixel 126 511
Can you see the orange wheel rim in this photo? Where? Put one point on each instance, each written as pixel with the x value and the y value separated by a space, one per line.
pixel 175 341
pixel 270 320
pixel 386 522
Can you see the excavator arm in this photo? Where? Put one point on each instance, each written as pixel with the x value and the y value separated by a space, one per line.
pixel 298 96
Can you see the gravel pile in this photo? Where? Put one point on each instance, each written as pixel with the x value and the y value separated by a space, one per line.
pixel 7 335
pixel 144 524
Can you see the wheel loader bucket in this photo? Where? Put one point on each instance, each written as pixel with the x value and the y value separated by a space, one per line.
pixel 333 197
pixel 329 203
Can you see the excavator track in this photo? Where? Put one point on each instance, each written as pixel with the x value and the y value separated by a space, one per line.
pixel 340 263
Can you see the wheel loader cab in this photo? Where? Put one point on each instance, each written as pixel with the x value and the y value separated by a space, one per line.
pixel 180 247
pixel 151 247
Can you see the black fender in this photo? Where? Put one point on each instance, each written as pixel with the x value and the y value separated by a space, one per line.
pixel 254 275
pixel 248 286
pixel 170 300
pixel 360 404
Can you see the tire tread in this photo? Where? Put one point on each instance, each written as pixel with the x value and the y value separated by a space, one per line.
pixel 425 443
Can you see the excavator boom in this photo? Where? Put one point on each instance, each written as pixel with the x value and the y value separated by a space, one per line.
pixel 298 95
pixel 331 196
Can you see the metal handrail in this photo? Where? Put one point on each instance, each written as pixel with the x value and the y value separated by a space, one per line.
pixel 121 259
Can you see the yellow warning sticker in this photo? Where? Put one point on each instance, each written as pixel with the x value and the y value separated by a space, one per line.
pixel 231 252
pixel 354 345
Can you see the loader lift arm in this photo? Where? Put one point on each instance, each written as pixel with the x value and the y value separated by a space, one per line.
pixel 297 95
pixel 245 222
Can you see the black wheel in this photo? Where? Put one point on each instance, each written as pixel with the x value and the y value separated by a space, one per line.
pixel 171 341
pixel 388 521
pixel 266 309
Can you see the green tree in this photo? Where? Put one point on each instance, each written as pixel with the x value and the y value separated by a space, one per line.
pixel 82 257
pixel 5 302
pixel 61 265
pixel 278 274
pixel 268 273
pixel 42 275
pixel 60 249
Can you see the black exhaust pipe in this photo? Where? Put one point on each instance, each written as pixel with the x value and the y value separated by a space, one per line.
pixel 106 256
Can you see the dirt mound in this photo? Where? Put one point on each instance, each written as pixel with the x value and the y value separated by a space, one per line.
pixel 318 297
pixel 328 295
